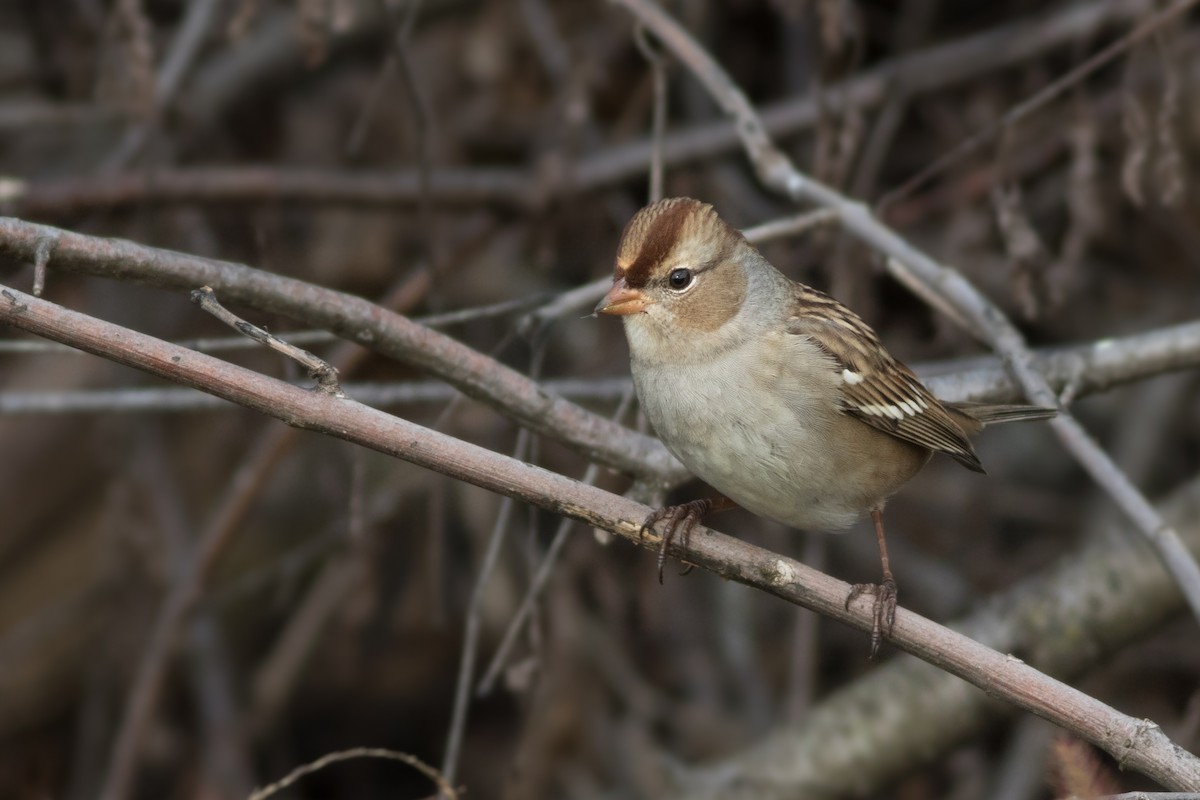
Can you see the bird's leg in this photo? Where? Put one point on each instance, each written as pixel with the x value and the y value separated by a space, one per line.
pixel 680 520
pixel 884 591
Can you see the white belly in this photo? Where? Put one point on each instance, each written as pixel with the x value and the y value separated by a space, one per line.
pixel 766 455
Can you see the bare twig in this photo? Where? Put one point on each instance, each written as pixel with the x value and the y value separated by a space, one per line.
pixel 212 675
pixel 277 674
pixel 466 668
pixel 185 592
pixel 910 30
pixel 320 370
pixel 275 679
pixel 962 60
pixel 552 51
pixel 421 120
pixel 1136 744
pixel 21 115
pixel 184 48
pixel 981 316
pixel 449 186
pixel 397 62
pixel 298 338
pixel 658 125
pixel 790 226
pixel 1089 368
pixel 570 301
pixel 45 249
pixel 540 578
pixel 356 752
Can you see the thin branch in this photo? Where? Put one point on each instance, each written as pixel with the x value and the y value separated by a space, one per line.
pixel 449 186
pixel 356 752
pixel 325 374
pixel 793 225
pixel 658 124
pixel 184 48
pixel 552 51
pixel 298 338
pixel 421 121
pixel 982 317
pixel 1001 47
pixel 396 60
pixel 466 668
pixel 545 570
pixel 1087 368
pixel 212 675
pixel 280 670
pixel 41 259
pixel 1135 743
pixel 540 578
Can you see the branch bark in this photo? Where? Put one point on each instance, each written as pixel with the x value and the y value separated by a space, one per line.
pixel 1136 744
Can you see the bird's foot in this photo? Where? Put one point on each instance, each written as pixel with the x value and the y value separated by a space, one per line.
pixel 679 520
pixel 884 611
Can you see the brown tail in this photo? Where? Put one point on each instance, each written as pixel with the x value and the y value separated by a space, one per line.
pixel 986 414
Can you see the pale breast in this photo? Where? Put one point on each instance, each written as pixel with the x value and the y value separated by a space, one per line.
pixel 764 434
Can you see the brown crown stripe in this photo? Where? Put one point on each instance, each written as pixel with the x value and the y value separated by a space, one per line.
pixel 658 226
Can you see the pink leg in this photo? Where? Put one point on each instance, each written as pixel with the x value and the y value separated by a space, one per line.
pixel 884 592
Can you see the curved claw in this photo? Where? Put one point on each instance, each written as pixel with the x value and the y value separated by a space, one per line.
pixel 680 520
pixel 884 609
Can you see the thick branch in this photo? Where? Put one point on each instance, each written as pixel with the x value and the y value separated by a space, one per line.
pixel 1080 369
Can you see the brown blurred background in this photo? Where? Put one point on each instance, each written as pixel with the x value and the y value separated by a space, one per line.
pixel 335 616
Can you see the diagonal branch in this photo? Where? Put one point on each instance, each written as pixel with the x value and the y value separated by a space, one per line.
pixel 1137 745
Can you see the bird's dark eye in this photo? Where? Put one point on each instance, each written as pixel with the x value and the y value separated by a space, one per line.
pixel 679 279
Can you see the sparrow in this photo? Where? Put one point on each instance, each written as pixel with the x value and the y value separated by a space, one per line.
pixel 773 393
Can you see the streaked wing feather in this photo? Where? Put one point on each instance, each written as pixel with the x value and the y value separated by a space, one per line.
pixel 877 388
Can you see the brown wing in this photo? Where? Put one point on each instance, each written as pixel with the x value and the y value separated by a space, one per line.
pixel 877 388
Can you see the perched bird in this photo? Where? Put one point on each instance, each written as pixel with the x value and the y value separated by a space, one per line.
pixel 772 392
